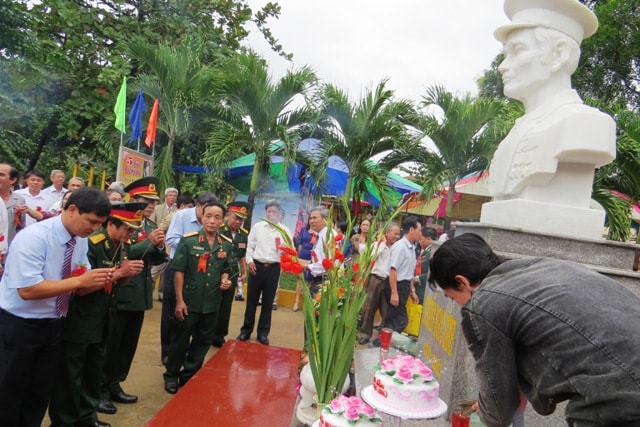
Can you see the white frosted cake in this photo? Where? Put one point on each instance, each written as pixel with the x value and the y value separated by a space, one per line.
pixel 404 384
pixel 349 412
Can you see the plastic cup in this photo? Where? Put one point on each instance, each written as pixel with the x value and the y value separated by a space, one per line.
pixel 385 338
pixel 459 420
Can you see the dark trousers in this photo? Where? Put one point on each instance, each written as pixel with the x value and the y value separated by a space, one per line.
pixel 264 282
pixel 77 386
pixel 226 301
pixel 29 351
pixel 397 318
pixel 189 345
pixel 121 348
pixel 376 300
pixel 168 310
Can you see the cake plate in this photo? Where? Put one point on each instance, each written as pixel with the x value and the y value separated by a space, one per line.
pixel 367 395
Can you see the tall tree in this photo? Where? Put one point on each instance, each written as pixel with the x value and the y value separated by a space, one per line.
pixel 183 85
pixel 255 112
pixel 360 133
pixel 465 132
pixel 609 68
pixel 79 47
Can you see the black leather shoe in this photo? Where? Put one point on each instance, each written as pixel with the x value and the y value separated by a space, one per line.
pixel 218 343
pixel 239 298
pixel 99 423
pixel 263 340
pixel 171 387
pixel 106 407
pixel 363 340
pixel 122 397
pixel 274 307
pixel 242 337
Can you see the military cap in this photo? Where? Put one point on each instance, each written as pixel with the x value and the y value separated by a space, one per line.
pixel 128 213
pixel 241 209
pixel 146 187
pixel 567 16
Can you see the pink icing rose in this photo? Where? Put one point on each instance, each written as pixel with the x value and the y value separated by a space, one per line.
pixel 352 413
pixel 368 410
pixel 388 365
pixel 404 374
pixel 335 406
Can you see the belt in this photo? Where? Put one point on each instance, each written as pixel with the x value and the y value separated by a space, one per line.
pixel 266 264
pixel 379 277
pixel 29 320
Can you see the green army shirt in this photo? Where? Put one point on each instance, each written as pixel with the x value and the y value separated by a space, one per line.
pixel 202 266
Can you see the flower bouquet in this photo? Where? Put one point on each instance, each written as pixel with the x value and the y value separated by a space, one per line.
pixel 331 318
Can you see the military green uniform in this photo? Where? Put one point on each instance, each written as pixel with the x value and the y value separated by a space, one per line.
pixel 202 266
pixel 239 242
pixel 84 339
pixel 133 299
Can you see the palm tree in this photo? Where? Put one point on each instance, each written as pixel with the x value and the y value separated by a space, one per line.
pixel 622 176
pixel 465 133
pixel 360 132
pixel 255 112
pixel 183 85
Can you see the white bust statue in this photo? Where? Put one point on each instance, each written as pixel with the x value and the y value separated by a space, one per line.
pixel 541 175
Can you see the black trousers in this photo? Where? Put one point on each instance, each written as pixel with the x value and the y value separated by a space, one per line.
pixel 264 282
pixel 168 310
pixel 397 318
pixel 29 351
pixel 121 348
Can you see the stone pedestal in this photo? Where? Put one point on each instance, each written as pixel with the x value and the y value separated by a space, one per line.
pixel 441 341
pixel 544 218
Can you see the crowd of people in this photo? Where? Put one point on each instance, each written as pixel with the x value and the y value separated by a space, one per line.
pixel 78 269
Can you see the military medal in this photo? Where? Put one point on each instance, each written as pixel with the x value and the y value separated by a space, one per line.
pixel 221 254
pixel 202 262
pixel 141 236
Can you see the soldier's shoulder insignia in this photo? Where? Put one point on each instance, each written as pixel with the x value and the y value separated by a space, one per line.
pixel 244 230
pixel 193 233
pixel 97 238
pixel 151 222
pixel 227 238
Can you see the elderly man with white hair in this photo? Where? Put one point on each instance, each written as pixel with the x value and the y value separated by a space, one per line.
pixel 163 209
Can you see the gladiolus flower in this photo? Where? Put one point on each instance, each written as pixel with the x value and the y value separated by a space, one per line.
pixel 296 268
pixel 355 267
pixel 339 237
pixel 286 258
pixel 327 264
pixel 286 266
pixel 339 256
pixel 288 250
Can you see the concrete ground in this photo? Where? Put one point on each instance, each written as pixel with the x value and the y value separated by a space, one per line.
pixel 145 379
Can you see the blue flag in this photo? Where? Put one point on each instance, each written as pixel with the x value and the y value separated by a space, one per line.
pixel 135 117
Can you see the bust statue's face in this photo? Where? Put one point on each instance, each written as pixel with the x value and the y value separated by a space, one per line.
pixel 526 67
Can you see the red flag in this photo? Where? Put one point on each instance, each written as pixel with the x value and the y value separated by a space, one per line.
pixel 153 124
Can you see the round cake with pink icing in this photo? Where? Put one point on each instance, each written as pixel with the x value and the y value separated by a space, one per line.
pixel 404 384
pixel 349 412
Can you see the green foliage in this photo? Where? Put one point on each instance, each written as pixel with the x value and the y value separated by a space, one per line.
pixel 465 132
pixel 358 133
pixel 255 112
pixel 621 176
pixel 76 55
pixel 608 69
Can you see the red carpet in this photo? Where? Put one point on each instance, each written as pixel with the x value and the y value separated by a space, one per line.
pixel 243 384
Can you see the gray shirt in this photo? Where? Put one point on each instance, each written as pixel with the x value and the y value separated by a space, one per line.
pixel 403 259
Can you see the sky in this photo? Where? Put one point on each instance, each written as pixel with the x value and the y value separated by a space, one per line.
pixel 354 44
